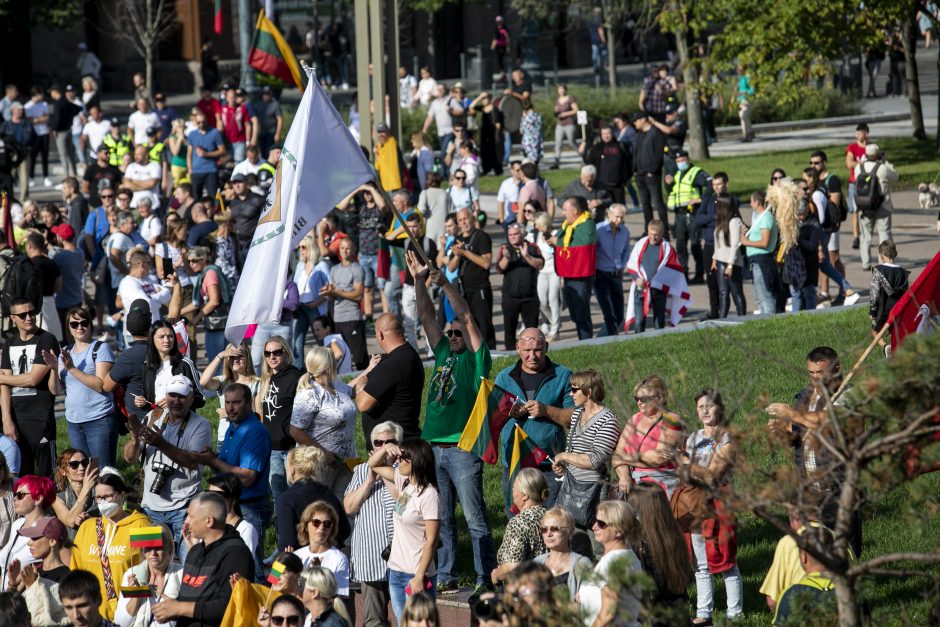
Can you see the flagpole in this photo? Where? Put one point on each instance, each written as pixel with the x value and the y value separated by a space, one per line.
pixel 547 456
pixel 861 360
pixel 411 236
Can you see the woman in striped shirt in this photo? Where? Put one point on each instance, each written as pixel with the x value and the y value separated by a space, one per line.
pixel 592 436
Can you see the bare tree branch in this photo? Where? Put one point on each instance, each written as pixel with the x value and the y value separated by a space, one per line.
pixel 866 567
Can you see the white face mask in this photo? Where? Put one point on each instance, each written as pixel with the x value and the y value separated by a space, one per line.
pixel 108 509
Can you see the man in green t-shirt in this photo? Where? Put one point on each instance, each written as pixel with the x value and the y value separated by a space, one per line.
pixel 461 357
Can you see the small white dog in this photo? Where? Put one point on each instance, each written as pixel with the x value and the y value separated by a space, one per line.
pixel 928 195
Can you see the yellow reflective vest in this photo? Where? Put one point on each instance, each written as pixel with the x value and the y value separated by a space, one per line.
pixel 683 192
pixel 118 147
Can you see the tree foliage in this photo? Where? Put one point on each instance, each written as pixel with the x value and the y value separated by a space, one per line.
pixel 54 14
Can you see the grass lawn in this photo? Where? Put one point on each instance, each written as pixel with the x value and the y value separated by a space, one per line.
pixel 916 161
pixel 752 364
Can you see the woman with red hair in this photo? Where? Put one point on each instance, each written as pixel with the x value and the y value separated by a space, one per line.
pixel 32 499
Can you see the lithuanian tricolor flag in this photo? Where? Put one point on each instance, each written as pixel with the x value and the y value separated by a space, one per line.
pixel 576 249
pixel 146 537
pixel 525 454
pixel 489 415
pixel 135 592
pixel 271 55
pixel 277 571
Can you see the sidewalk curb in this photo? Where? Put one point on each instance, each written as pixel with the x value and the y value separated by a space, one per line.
pixel 793 125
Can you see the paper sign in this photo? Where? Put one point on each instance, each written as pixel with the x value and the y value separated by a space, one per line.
pixel 582 117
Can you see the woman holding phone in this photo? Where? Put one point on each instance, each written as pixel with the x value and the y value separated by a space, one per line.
pixel 75 479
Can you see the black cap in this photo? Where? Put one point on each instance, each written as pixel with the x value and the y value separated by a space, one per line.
pixel 266 90
pixel 241 92
pixel 639 115
pixel 275 147
pixel 381 127
pixel 115 122
pixel 681 153
pixel 70 88
pixel 55 87
pixel 671 107
pixel 238 178
pixel 138 318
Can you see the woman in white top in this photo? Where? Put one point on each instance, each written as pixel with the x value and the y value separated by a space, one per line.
pixel 549 283
pixel 157 571
pixel 33 497
pixel 309 278
pixel 727 261
pixel 435 205
pixel 618 530
pixel 236 368
pixel 317 530
pixel 324 416
pixel 461 195
pixel 426 87
pixel 468 161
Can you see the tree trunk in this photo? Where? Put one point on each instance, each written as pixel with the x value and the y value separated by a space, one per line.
pixel 938 108
pixel 148 70
pixel 909 39
pixel 850 614
pixel 611 48
pixel 430 62
pixel 698 147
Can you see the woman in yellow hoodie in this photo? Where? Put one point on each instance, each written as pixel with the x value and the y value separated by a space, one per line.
pixel 103 544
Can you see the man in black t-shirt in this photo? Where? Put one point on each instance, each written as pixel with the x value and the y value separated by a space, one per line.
pixel 519 262
pixel 100 169
pixel 25 401
pixel 470 256
pixel 390 389
pixel 832 187
pixel 126 371
pixel 648 168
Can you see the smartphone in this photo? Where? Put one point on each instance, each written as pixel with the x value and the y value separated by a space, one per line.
pixel 92 463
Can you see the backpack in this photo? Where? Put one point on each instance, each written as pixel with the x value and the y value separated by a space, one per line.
pixel 835 213
pixel 794 267
pixel 868 193
pixel 21 280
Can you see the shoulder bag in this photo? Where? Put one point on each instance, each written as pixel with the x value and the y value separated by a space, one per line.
pixel 580 498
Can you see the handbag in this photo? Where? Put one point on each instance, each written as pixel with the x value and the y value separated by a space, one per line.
pixel 580 498
pixel 217 319
pixel 690 506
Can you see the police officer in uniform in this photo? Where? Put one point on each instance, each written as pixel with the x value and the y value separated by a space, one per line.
pixel 686 189
pixel 119 144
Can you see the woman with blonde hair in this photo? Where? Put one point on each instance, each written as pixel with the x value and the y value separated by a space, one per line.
pixel 324 416
pixel 309 277
pixel 317 531
pixel 158 571
pixel 275 402
pixel 568 567
pixel 420 611
pixel 236 368
pixel 617 528
pixel 320 598
pixel 303 465
pixel 178 151
pixel 522 540
pixel 647 447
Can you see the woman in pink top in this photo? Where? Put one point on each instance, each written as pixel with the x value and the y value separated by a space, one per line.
pixel 647 447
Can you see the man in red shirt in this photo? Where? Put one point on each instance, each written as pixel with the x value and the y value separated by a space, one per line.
pixel 854 155
pixel 236 123
pixel 211 107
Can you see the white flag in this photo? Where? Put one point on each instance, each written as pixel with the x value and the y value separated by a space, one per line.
pixel 320 165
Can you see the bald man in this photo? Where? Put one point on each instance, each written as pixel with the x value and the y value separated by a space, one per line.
pixel 390 388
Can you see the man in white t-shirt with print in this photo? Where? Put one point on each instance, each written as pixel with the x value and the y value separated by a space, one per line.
pixel 141 121
pixel 94 131
pixel 508 194
pixel 143 178
pixel 139 284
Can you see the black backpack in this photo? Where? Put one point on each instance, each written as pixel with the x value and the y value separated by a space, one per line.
pixel 868 193
pixel 835 213
pixel 21 280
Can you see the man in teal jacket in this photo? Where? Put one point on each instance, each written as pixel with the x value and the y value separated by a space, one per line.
pixel 544 387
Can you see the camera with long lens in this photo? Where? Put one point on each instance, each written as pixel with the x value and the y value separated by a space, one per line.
pixel 489 609
pixel 162 472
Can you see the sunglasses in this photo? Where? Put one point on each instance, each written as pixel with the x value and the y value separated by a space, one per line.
pixel 32 313
pixel 405 457
pixel 528 212
pixel 291 621
pixel 275 353
pixel 600 523
pixel 78 463
pixel 76 324
pixel 454 333
pixel 776 178
pixel 552 529
pixel 460 178
pixel 302 247
pixel 316 522
pixel 237 358
pixel 815 162
pixel 643 399
pixel 21 495
pixel 381 443
pixel 575 388
pixel 105 196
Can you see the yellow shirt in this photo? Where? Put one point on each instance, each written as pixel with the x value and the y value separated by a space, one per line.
pixel 784 571
pixel 121 557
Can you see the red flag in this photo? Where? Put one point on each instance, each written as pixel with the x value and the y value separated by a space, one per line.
pixel 912 313
pixel 217 18
pixel 8 221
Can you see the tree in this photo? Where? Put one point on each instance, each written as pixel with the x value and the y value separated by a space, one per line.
pixel 892 409
pixel 144 24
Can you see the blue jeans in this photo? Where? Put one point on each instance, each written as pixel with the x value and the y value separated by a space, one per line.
pixel 598 57
pixel 264 331
pixel 277 476
pixel 553 488
pixel 214 344
pixel 97 438
pixel 826 265
pixel 608 287
pixel 173 519
pixel 803 298
pixel 76 141
pixel 303 320
pixel 657 307
pixel 578 296
pixel 258 515
pixel 393 290
pixel 763 292
pixel 507 147
pixel 461 473
pixel 444 141
pixel 397 582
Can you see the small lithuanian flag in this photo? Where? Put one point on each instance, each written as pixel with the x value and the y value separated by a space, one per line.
pixel 277 570
pixel 147 537
pixel 271 54
pixel 135 592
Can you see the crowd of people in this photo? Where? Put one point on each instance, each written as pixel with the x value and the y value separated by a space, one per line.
pixel 116 299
